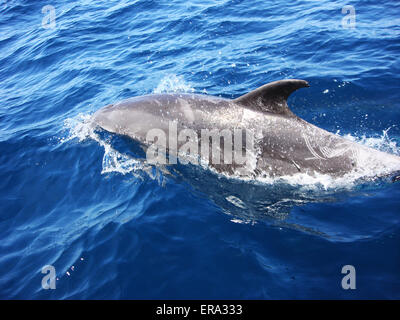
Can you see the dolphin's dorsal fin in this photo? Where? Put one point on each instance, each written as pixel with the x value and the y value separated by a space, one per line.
pixel 272 97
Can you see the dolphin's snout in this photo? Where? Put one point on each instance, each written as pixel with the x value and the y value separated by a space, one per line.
pixel 104 118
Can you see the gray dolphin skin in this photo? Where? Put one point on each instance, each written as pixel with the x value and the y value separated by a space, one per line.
pixel 282 143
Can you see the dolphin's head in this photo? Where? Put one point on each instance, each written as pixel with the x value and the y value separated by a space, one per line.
pixel 106 118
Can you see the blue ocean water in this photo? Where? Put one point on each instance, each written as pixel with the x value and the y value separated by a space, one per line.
pixel 84 202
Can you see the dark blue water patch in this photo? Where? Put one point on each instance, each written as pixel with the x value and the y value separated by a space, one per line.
pixel 183 233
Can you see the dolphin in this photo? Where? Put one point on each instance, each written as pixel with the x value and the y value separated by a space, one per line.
pixel 275 141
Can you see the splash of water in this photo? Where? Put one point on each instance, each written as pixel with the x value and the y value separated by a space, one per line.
pixel 381 142
pixel 173 84
pixel 82 128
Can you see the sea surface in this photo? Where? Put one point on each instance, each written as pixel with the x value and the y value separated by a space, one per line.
pixel 84 202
